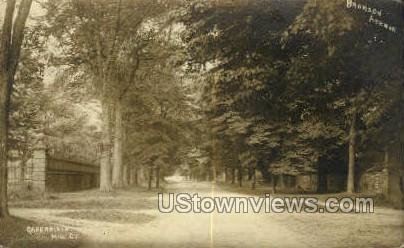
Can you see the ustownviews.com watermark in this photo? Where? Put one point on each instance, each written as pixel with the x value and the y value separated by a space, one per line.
pixel 187 203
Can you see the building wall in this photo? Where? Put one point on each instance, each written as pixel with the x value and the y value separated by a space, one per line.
pixel 307 183
pixel 66 176
pixel 395 192
pixel 68 181
pixel 46 174
pixel 39 162
pixel 31 178
pixel 16 182
pixel 375 182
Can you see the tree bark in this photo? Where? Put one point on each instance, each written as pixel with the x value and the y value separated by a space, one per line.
pixel 233 175
pixel 386 157
pixel 11 38
pixel 22 169
pixel 3 158
pixel 322 173
pixel 274 181
pixel 126 175
pixel 24 158
pixel 135 175
pixel 250 174
pixel 117 174
pixel 157 177
pixel 127 166
pixel 150 178
pixel 214 171
pixel 281 182
pixel 254 178
pixel 386 167
pixel 105 163
pixel 351 155
pixel 240 177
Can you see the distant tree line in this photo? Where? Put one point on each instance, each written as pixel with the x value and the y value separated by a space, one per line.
pixel 294 86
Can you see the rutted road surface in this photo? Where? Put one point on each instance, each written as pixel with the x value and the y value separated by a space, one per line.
pixel 384 228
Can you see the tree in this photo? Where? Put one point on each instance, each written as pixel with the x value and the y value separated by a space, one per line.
pixel 158 136
pixel 28 99
pixel 11 41
pixel 352 83
pixel 245 88
pixel 121 30
pixel 292 86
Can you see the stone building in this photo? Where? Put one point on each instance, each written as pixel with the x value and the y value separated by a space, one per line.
pixel 307 182
pixel 386 178
pixel 374 180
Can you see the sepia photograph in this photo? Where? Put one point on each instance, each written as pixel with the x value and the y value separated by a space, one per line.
pixel 201 123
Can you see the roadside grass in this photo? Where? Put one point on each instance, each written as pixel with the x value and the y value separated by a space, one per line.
pixel 120 217
pixel 91 199
pixel 263 189
pixel 85 205
pixel 381 230
pixel 13 234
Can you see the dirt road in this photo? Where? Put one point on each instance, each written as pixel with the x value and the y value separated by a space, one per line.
pixel 384 228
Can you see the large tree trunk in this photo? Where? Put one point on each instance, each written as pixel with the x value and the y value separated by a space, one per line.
pixel 134 173
pixel 322 183
pixel 22 169
pixel 214 171
pixel 386 157
pixel 150 178
pixel 233 175
pixel 157 177
pixel 240 177
pixel 105 163
pixel 24 158
pixel 351 154
pixel 126 174
pixel 127 167
pixel 274 180
pixel 117 175
pixel 3 157
pixel 254 178
pixel 11 38
pixel 281 182
pixel 250 174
